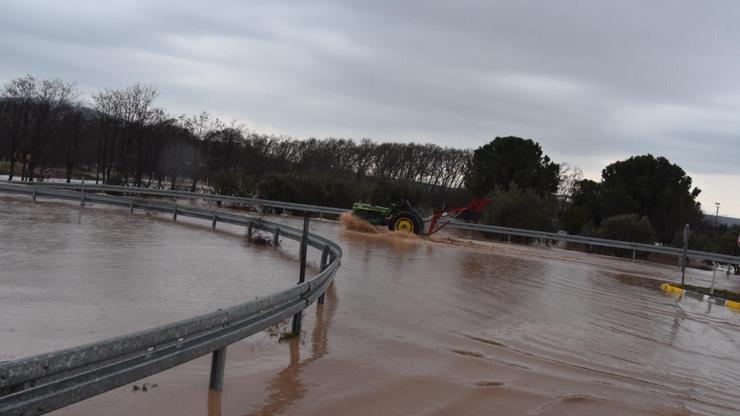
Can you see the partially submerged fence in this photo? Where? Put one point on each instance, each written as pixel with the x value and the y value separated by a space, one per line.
pixel 601 242
pixel 39 384
pixel 42 383
pixel 488 229
pixel 254 202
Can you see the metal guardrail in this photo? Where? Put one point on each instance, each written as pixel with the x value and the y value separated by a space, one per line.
pixel 673 251
pixel 592 241
pixel 42 383
pixel 39 384
pixel 589 241
pixel 201 195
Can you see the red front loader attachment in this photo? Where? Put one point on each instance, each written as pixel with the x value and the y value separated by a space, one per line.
pixel 476 205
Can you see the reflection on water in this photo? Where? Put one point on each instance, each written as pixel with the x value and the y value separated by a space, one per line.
pixel 286 387
pixel 214 402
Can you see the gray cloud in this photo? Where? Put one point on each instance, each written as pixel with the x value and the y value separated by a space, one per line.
pixel 593 81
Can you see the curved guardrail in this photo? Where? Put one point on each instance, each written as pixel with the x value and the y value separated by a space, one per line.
pixel 42 383
pixel 201 195
pixel 491 229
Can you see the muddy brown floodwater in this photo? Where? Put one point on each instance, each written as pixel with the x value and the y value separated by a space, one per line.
pixel 409 328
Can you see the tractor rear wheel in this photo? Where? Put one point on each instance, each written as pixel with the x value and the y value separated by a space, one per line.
pixel 406 221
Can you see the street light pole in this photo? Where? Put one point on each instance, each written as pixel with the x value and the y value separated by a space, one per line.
pixel 716 215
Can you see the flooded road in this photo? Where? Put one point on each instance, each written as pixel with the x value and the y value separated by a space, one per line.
pixel 69 276
pixel 409 328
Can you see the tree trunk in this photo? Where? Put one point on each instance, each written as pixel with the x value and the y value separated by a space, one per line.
pixel 31 168
pixel 12 166
pixel 69 168
pixel 23 170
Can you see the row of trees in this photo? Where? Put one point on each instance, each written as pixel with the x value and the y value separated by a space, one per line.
pixel 643 198
pixel 122 137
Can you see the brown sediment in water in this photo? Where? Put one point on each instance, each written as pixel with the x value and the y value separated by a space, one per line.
pixel 400 235
pixel 424 326
pixel 451 241
pixel 353 223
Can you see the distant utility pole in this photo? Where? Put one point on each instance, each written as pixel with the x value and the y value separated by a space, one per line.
pixel 716 215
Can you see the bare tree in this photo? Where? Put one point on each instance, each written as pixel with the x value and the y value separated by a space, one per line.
pixel 125 117
pixel 569 176
pixel 54 100
pixel 18 97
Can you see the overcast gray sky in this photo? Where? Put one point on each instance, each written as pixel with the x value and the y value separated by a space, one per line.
pixel 592 81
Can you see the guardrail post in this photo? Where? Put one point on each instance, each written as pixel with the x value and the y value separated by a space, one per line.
pixel 174 213
pixel 683 253
pixel 33 196
pixel 298 317
pixel 82 198
pixel 218 364
pixel 276 237
pixel 324 258
pixel 324 265
pixel 634 254
pixel 213 222
pixel 132 207
pixel 714 275
pixel 250 227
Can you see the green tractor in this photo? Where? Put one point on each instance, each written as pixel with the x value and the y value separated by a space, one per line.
pixel 398 217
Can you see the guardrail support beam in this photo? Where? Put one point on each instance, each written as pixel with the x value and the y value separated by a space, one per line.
pixel 218 365
pixel 132 208
pixel 324 265
pixel 250 228
pixel 298 317
pixel 213 222
pixel 295 327
pixel 683 254
pixel 276 237
pixel 115 362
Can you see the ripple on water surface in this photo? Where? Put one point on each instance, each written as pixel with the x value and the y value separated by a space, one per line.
pixel 411 327
pixel 69 276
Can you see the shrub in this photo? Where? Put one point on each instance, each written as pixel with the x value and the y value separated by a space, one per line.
pixel 234 182
pixel 575 220
pixel 308 188
pixel 521 209
pixel 627 227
